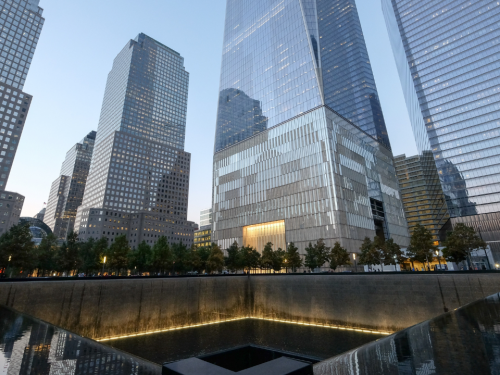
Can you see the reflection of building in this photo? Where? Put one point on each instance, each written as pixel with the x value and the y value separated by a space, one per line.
pixel 21 25
pixel 450 81
pixel 66 193
pixel 11 205
pixel 302 54
pixel 138 182
pixel 323 168
pixel 423 197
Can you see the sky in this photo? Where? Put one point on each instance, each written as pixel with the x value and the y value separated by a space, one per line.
pixel 75 53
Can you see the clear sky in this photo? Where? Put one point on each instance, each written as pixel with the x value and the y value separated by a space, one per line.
pixel 75 53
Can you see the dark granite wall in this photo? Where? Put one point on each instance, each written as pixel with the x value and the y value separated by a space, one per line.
pixel 103 308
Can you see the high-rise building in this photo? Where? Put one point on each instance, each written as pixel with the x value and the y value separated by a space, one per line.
pixel 266 80
pixel 423 198
pixel 447 55
pixel 21 23
pixel 67 190
pixel 301 147
pixel 203 236
pixel 138 182
pixel 41 214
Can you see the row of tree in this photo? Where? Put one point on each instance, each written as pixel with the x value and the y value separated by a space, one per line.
pixel 18 254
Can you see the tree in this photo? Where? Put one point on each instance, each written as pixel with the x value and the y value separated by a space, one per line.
pixel 278 259
pixel 46 255
pixel 317 255
pixel 461 242
pixel 68 256
pixel 215 261
pixel 266 261
pixel 422 246
pixel 141 258
pixel 198 257
pixel 162 256
pixel 181 257
pixel 233 258
pixel 17 245
pixel 292 257
pixel 119 254
pixel 248 258
pixel 371 252
pixel 338 257
pixel 393 253
pixel 91 254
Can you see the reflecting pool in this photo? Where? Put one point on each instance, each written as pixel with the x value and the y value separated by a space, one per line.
pixel 317 342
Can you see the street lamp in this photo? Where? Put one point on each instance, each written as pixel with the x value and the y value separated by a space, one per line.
pixel 439 260
pixel 103 263
pixel 286 266
pixel 497 266
pixel 355 263
pixel 395 261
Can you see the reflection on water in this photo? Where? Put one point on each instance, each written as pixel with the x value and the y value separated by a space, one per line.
pixel 465 341
pixel 28 346
pixel 310 341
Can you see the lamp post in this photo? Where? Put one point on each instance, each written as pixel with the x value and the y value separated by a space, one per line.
pixel 395 261
pixel 439 260
pixel 497 266
pixel 8 267
pixel 286 266
pixel 173 269
pixel 355 263
pixel 103 263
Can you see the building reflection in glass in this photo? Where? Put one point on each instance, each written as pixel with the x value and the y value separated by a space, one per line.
pixel 28 346
pixel 465 341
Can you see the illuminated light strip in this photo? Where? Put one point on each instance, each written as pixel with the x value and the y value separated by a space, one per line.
pixel 244 318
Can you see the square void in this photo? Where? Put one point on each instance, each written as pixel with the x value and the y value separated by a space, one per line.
pixel 258 235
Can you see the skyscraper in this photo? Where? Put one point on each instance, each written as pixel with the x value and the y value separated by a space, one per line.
pixel 301 147
pixel 265 79
pixel 66 193
pixel 447 55
pixel 423 197
pixel 21 23
pixel 138 182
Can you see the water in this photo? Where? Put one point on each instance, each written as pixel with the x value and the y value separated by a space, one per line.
pixel 317 342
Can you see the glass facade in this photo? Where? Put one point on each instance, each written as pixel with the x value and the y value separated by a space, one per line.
pixel 139 174
pixel 448 57
pixel 66 193
pixel 319 174
pixel 206 217
pixel 421 191
pixel 282 58
pixel 203 237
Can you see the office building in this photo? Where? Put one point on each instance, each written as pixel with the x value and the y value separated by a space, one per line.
pixel 203 236
pixel 322 167
pixel 67 190
pixel 11 205
pixel 138 183
pixel 21 23
pixel 423 198
pixel 447 55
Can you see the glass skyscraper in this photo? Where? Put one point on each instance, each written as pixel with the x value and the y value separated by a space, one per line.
pixel 283 58
pixel 301 147
pixel 448 57
pixel 138 182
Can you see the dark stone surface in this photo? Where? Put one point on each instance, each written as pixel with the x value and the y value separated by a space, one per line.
pixel 102 308
pixel 462 342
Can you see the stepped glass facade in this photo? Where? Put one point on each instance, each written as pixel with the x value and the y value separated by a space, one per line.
pixel 447 54
pixel 301 146
pixel 423 198
pixel 139 176
pixel 66 193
